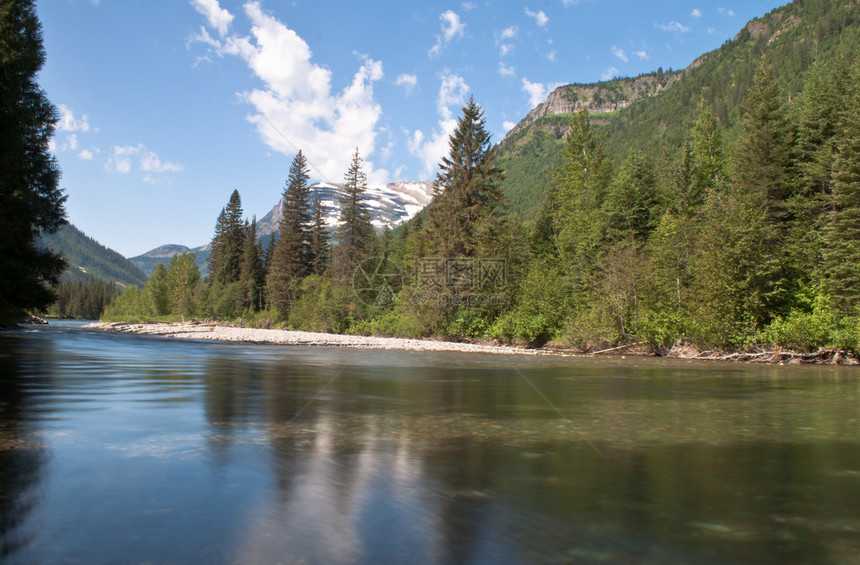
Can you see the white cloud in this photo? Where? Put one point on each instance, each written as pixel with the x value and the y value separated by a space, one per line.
pixel 609 74
pixel 551 55
pixel 508 126
pixel 296 107
pixel 502 38
pixel 408 82
pixel 505 70
pixel 468 6
pixel 540 17
pixel 123 158
pixel 86 155
pixel 642 54
pixel 429 150
pixel 618 52
pixel 673 26
pixel 727 12
pixel 696 13
pixel 71 142
pixel 68 122
pixel 217 17
pixel 452 28
pixel 536 92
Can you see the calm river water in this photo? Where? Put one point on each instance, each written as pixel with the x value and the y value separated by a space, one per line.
pixel 127 449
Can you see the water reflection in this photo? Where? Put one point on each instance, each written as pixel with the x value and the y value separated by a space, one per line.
pixel 172 452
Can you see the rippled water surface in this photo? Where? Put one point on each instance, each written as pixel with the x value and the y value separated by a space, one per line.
pixel 125 449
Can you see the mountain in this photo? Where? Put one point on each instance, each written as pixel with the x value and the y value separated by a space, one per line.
pixel 87 257
pixel 390 205
pixel 653 113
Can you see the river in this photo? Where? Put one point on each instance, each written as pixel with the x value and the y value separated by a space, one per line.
pixel 117 448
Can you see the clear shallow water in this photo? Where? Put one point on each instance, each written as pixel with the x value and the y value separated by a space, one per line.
pixel 126 449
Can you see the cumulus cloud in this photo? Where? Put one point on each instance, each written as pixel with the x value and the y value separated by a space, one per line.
pixel 727 12
pixel 217 17
pixel 68 121
pixel 296 106
pixel 86 155
pixel 618 52
pixel 452 28
pixel 642 54
pixel 408 82
pixel 609 74
pixel 123 159
pixel 430 149
pixel 539 17
pixel 508 126
pixel 536 92
pixel 505 70
pixel 673 26
pixel 696 13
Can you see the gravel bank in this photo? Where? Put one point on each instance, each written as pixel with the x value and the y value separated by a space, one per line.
pixel 284 337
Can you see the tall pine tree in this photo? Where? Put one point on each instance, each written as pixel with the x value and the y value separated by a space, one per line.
pixel 290 255
pixel 468 193
pixel 251 273
pixel 354 232
pixel 225 254
pixel 30 200
pixel 319 251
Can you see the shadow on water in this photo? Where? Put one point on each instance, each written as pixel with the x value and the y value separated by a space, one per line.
pixel 22 456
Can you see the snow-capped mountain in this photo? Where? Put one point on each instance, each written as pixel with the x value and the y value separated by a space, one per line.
pixel 389 204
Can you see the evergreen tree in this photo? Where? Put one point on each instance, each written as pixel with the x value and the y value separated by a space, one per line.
pixel 631 202
pixel 842 238
pixel 290 255
pixel 183 279
pixel 319 249
pixel 225 254
pixel 763 158
pixel 251 272
pixel 354 231
pixel 708 160
pixel 467 195
pixel 30 200
pixel 157 288
pixel 581 183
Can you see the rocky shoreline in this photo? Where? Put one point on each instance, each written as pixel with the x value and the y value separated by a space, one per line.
pixel 212 331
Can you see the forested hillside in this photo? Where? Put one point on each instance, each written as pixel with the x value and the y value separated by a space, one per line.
pixel 657 121
pixel 88 258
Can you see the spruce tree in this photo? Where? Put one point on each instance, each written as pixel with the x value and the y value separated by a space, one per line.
pixel 354 232
pixel 763 158
pixel 708 160
pixel 30 200
pixel 290 255
pixel 319 251
pixel 842 237
pixel 225 253
pixel 467 190
pixel 251 273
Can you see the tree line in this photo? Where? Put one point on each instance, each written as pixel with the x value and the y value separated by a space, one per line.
pixel 733 248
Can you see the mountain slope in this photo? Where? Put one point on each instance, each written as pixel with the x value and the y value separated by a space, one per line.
pixel 653 113
pixel 87 257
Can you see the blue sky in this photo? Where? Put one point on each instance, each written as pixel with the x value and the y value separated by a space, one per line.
pixel 168 105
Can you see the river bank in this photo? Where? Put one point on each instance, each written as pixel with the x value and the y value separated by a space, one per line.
pixel 228 333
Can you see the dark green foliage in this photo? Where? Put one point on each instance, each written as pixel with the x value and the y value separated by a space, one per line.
pixel 319 247
pixel 354 231
pixel 83 300
pixel 842 236
pixel 252 272
pixel 30 200
pixel 225 254
pixel 465 208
